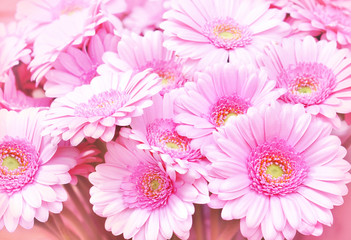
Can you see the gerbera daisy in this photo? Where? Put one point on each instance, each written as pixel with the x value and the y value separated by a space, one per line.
pixel 322 18
pixel 316 74
pixel 218 31
pixel 13 47
pixel 75 67
pixel 155 130
pixel 58 24
pixel 94 110
pixel 140 197
pixel 31 170
pixel 146 16
pixel 224 91
pixel 139 53
pixel 279 170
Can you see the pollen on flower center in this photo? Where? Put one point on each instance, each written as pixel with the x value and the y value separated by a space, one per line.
pixel 162 134
pixel 103 104
pixel 227 107
pixel 227 33
pixel 153 187
pixel 307 83
pixel 275 168
pixel 10 162
pixel 18 163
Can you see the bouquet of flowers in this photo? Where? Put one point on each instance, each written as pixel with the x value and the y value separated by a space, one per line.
pixel 175 119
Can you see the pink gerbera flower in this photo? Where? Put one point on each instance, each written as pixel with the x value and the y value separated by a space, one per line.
pixel 218 31
pixel 322 17
pixel 94 110
pixel 316 74
pixel 58 24
pixel 156 131
pixel 13 47
pixel 139 53
pixel 140 197
pixel 75 67
pixel 31 170
pixel 146 16
pixel 224 91
pixel 279 170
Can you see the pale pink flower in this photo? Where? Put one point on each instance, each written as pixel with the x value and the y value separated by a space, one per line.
pixel 146 16
pixel 57 25
pixel 75 67
pixel 13 47
pixel 279 170
pixel 322 18
pixel 139 53
pixel 315 74
pixel 94 110
pixel 13 98
pixel 218 31
pixel 32 170
pixel 140 198
pixel 155 130
pixel 224 91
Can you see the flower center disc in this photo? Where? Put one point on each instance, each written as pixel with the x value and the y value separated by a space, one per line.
pixel 162 134
pixel 227 107
pixel 103 104
pixel 170 73
pixel 151 187
pixel 18 164
pixel 227 33
pixel 275 168
pixel 11 163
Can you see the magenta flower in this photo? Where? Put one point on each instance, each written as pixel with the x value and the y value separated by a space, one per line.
pixel 31 170
pixel 94 110
pixel 279 170
pixel 140 198
pixel 218 31
pixel 224 91
pixel 315 74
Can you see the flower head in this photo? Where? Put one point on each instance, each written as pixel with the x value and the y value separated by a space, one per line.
pixel 279 170
pixel 327 18
pixel 31 170
pixel 134 55
pixel 156 131
pixel 140 197
pixel 94 110
pixel 220 93
pixel 212 32
pixel 315 74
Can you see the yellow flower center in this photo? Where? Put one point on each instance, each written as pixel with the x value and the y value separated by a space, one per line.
pixel 11 163
pixel 275 170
